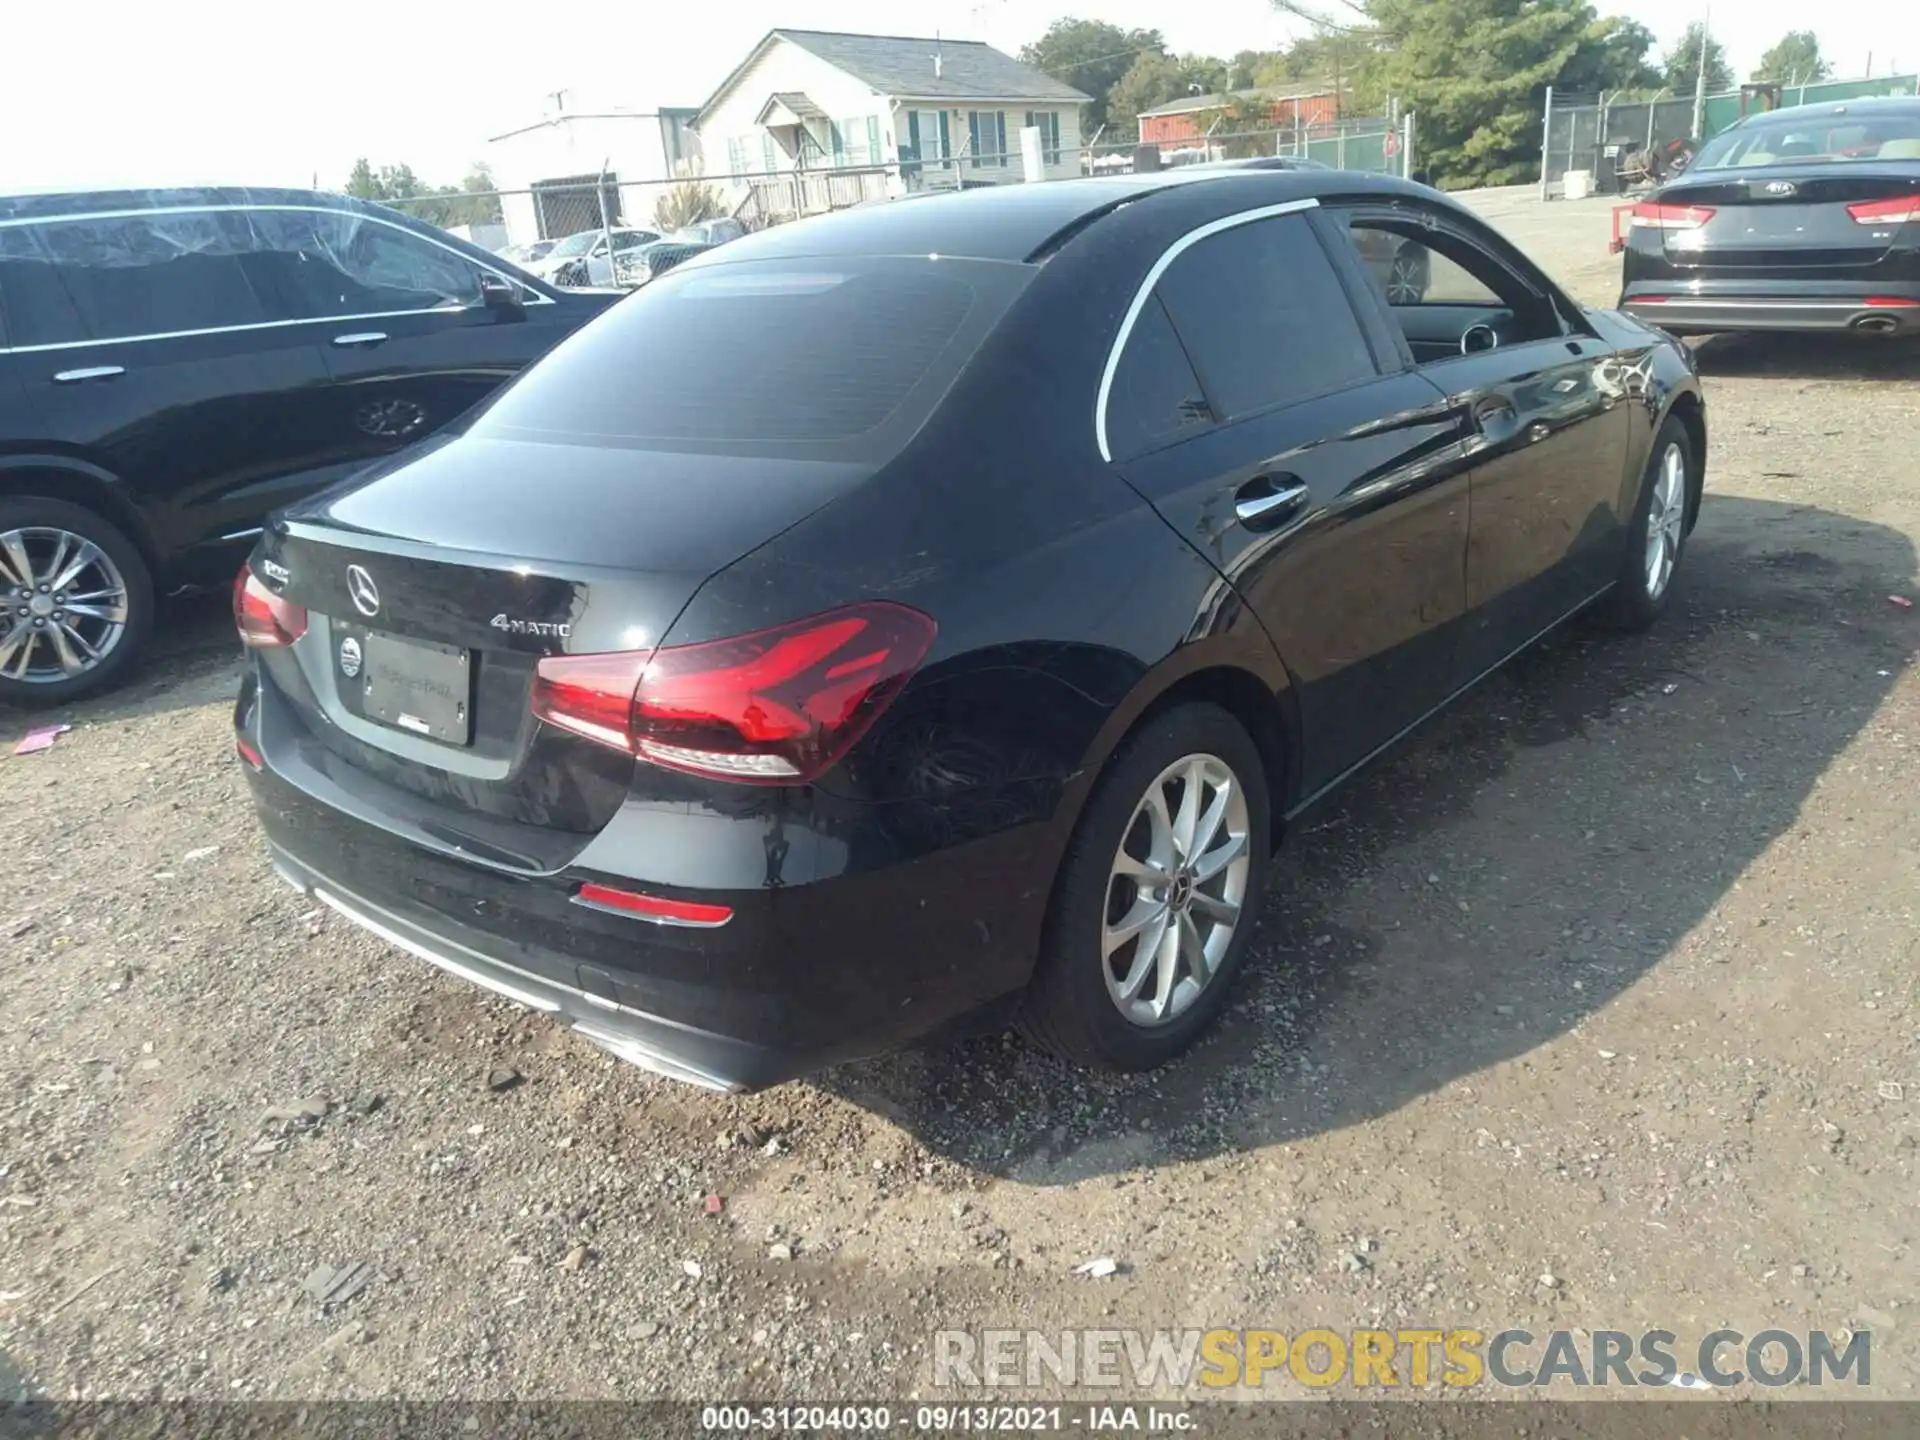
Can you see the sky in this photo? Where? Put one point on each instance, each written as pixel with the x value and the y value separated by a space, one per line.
pixel 129 92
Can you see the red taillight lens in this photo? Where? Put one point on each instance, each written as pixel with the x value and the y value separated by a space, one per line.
pixel 1649 216
pixel 769 708
pixel 1886 212
pixel 653 907
pixel 262 617
pixel 244 749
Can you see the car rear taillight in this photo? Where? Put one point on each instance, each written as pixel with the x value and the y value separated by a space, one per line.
pixel 262 617
pixel 1650 216
pixel 770 708
pixel 1886 212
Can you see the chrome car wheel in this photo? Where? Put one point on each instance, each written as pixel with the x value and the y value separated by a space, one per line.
pixel 1175 893
pixel 1666 520
pixel 63 605
pixel 1407 277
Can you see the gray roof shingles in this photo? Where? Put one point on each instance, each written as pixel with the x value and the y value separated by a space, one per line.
pixel 902 65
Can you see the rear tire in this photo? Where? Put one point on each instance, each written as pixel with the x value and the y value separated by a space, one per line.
pixel 1104 921
pixel 63 643
pixel 1657 533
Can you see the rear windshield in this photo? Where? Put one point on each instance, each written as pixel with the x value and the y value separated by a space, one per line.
pixel 835 358
pixel 1830 138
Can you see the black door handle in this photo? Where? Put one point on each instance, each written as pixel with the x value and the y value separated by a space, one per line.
pixel 1266 500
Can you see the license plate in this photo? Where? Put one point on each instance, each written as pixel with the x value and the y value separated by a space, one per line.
pixel 420 687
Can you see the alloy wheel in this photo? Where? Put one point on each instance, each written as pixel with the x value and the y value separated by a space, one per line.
pixel 1406 282
pixel 1666 520
pixel 63 605
pixel 1175 893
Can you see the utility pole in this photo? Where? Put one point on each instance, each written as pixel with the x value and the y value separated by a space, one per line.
pixel 1700 79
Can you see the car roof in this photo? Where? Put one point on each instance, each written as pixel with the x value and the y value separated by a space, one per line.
pixel 1866 105
pixel 1018 222
pixel 51 204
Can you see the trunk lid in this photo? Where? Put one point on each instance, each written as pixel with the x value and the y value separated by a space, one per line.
pixel 433 593
pixel 1785 218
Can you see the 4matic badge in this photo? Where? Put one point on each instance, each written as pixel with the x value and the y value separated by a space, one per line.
pixel 559 631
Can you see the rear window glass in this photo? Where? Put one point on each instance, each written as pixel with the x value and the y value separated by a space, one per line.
pixel 835 358
pixel 1830 139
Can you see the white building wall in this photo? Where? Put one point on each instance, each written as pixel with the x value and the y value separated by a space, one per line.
pixel 785 68
pixel 631 147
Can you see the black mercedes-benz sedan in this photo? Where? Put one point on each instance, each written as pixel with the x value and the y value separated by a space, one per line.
pixel 1799 219
pixel 957 620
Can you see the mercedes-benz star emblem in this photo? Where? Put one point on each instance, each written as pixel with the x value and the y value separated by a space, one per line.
pixel 365 594
pixel 349 657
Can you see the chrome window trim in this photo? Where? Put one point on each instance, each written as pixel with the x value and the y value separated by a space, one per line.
pixel 1172 253
pixel 536 297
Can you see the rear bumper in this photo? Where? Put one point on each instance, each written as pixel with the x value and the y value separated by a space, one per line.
pixel 1689 313
pixel 805 974
pixel 679 1052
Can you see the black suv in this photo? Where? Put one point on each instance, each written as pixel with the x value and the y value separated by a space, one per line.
pixel 176 363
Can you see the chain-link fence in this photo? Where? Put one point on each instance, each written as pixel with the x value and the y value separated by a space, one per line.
pixel 587 229
pixel 1611 144
pixel 1376 144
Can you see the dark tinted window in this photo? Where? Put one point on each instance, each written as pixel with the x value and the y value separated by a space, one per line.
pixel 782 356
pixel 1264 317
pixel 118 278
pixel 1155 396
pixel 331 263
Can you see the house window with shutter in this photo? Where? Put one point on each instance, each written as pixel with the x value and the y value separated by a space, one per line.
pixel 1048 124
pixel 987 137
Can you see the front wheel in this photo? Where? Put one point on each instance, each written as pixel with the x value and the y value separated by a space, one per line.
pixel 1157 897
pixel 1657 534
pixel 76 602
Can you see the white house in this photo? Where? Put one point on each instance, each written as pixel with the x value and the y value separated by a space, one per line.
pixel 557 163
pixel 813 115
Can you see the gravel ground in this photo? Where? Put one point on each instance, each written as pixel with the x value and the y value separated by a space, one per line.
pixel 1595 1008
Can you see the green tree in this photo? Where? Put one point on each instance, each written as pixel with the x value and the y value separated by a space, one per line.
pixel 1680 66
pixel 1091 56
pixel 1156 78
pixel 468 203
pixel 1794 60
pixel 1476 72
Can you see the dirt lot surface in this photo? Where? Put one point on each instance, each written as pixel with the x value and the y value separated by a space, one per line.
pixel 1595 1008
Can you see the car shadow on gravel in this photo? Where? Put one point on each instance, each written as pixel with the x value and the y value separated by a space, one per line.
pixel 1498 882
pixel 194 659
pixel 1809 357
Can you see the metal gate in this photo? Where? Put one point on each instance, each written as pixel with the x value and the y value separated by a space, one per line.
pixel 573 203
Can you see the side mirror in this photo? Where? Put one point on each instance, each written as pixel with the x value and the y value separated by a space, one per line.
pixel 498 293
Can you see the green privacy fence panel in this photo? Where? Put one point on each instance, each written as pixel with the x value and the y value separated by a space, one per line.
pixel 1722 110
pixel 1354 152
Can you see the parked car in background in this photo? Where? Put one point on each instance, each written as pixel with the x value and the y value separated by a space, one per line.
pixel 526 256
pixel 581 260
pixel 779 671
pixel 1800 219
pixel 175 363
pixel 639 265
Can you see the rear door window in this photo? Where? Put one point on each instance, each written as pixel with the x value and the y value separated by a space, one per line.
pixel 1264 317
pixel 839 358
pixel 1155 397
pixel 125 277
pixel 331 264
